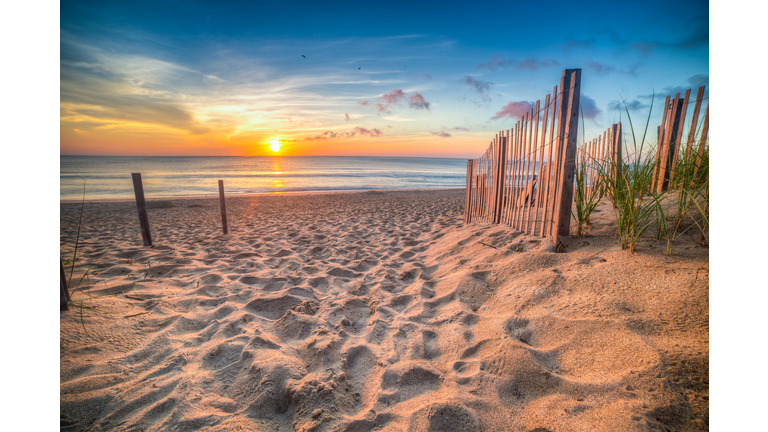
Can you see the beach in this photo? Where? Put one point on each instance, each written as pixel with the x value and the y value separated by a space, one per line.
pixel 378 310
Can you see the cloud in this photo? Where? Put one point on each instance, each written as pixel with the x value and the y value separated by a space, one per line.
pixel 513 110
pixel 643 46
pixel 589 107
pixel 459 128
pixel 357 130
pixel 347 116
pixel 424 75
pixel 287 140
pixel 693 83
pixel 383 102
pixel 605 69
pixel 530 63
pixel 481 87
pixel 416 101
pixel 363 131
pixel 442 134
pixel 633 105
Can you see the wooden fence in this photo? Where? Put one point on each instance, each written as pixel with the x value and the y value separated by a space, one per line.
pixel 670 133
pixel 526 181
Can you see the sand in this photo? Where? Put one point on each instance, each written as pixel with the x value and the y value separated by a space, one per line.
pixel 377 311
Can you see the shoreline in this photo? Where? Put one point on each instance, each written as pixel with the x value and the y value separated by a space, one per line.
pixel 262 194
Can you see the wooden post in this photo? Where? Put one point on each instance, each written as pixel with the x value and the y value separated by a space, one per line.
pixel 679 136
pixel 670 147
pixel 138 189
pixel 468 192
pixel 694 121
pixel 702 142
pixel 501 168
pixel 568 130
pixel 660 133
pixel 64 289
pixel 507 170
pixel 223 207
pixel 616 153
pixel 534 183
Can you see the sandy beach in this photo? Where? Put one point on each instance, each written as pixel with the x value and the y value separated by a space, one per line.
pixel 376 311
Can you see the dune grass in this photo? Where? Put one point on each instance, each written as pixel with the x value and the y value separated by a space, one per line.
pixel 627 185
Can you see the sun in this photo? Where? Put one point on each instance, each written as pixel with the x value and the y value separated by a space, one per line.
pixel 275 145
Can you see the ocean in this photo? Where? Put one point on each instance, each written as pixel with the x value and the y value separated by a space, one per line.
pixel 109 177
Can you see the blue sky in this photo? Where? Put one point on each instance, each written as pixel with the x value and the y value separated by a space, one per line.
pixel 404 78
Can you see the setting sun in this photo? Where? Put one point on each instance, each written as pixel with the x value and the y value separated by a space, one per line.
pixel 275 146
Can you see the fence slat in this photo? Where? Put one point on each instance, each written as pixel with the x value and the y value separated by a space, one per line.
pixel 507 173
pixel 678 138
pixel 141 205
pixel 702 141
pixel 515 176
pixel 551 167
pixel 523 171
pixel 694 121
pixel 501 167
pixel 660 133
pixel 669 144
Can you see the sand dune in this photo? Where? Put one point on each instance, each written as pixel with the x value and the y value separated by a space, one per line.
pixel 377 311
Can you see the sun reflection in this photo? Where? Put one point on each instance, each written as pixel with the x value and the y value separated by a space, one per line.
pixel 277 170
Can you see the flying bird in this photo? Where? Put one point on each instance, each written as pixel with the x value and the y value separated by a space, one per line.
pixel 359 68
pixel 304 56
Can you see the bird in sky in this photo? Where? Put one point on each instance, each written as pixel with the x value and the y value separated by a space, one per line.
pixel 359 68
pixel 304 56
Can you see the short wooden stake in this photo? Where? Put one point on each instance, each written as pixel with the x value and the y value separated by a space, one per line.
pixel 138 189
pixel 223 206
pixel 64 289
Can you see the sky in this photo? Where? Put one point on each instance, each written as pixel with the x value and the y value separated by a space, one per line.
pixel 359 78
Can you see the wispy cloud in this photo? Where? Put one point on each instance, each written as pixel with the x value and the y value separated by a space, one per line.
pixel 606 69
pixel 347 117
pixel 531 63
pixel 459 128
pixel 424 75
pixel 693 83
pixel 513 110
pixel 355 131
pixel 442 134
pixel 395 97
pixel 481 87
pixel 632 105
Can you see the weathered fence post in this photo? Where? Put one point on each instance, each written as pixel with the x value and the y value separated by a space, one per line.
pixel 568 128
pixel 468 192
pixel 223 206
pixel 694 121
pixel 500 172
pixel 138 189
pixel 702 142
pixel 616 153
pixel 64 291
pixel 669 147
